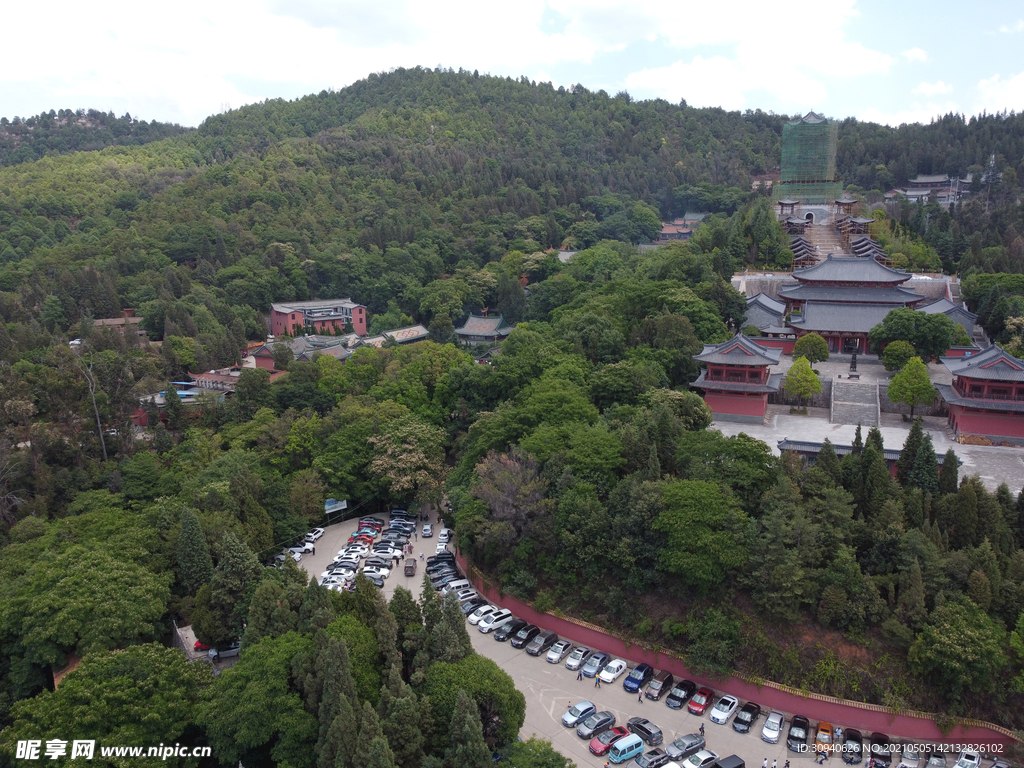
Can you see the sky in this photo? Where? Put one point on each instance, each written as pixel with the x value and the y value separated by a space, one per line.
pixel 876 60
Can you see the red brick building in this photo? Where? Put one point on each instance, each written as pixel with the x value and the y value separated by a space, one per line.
pixel 294 318
pixel 736 381
pixel 986 397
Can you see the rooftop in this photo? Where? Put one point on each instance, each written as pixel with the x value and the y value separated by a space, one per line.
pixel 484 326
pixel 952 397
pixel 739 350
pixel 807 447
pixel 836 316
pixel 858 294
pixel 851 269
pixel 766 301
pixel 944 306
pixel 306 306
pixel 994 364
pixel 773 384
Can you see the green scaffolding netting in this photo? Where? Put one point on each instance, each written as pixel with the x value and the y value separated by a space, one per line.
pixel 809 161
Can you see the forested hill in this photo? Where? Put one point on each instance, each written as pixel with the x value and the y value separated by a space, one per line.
pixel 59 132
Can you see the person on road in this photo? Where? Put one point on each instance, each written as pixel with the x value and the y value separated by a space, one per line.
pixel 597 681
pixel 786 765
pixel 702 733
pixel 775 763
pixel 579 675
pixel 640 698
pixel 421 555
pixel 763 765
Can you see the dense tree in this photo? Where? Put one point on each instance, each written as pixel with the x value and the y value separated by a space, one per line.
pixel 896 354
pixel 195 566
pixel 911 386
pixel 468 748
pixel 811 346
pixel 929 335
pixel 801 381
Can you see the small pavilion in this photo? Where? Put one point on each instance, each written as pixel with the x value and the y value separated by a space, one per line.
pixel 986 397
pixel 736 382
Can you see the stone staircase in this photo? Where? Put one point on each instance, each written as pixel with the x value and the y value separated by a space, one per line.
pixel 854 403
pixel 826 239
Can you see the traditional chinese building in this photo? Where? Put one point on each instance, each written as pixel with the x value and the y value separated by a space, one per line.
pixel 736 381
pixel 986 397
pixel 842 298
pixel 486 329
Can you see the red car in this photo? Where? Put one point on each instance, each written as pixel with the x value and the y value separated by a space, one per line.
pixel 701 701
pixel 365 538
pixel 600 745
pixel 201 646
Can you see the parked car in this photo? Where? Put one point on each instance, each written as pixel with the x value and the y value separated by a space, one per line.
pixel 878 747
pixel 680 694
pixel 315 534
pixel 355 549
pixel 378 562
pixel 559 651
pixel 626 749
pixel 200 646
pixel 685 746
pixel 578 657
pixel 968 758
pixel 660 684
pixel 542 642
pixel 395 537
pixel 577 713
pixel 427 531
pixel 303 547
pixel 936 759
pixel 911 756
pixel 462 595
pixel 823 738
pixel 441 547
pixel 746 718
pixel 525 635
pixel 595 663
pixel 391 553
pixel 376 572
pixel 613 670
pixel 471 605
pixel 601 744
pixel 377 581
pixel 225 653
pixel 853 748
pixel 479 613
pixel 796 739
pixel 772 730
pixel 444 536
pixel 595 724
pixel 701 759
pixel 701 701
pixel 646 730
pixel 652 758
pixel 638 678
pixel 724 709
pixel 494 620
pixel 504 632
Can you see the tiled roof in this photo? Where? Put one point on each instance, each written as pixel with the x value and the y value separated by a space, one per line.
pixel 838 293
pixel 308 306
pixel 808 447
pixel 944 306
pixel 952 397
pixel 835 316
pixel 484 326
pixel 994 364
pixel 837 268
pixel 766 301
pixel 772 385
pixel 739 350
pixel 401 335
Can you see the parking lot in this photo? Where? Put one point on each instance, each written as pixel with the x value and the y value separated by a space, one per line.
pixel 550 689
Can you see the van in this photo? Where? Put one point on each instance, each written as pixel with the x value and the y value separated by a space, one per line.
pixel 626 749
pixel 542 642
pixel 410 567
pixel 456 585
pixel 732 761
pixel 660 684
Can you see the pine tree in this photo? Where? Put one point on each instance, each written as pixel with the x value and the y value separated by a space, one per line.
pixel 912 609
pixel 195 566
pixel 858 442
pixel 468 748
pixel 430 605
pixel 317 610
pixel 369 730
pixel 400 717
pixel 162 440
pixel 949 475
pixel 828 462
pixel 387 636
pixel 380 755
pixel 230 589
pixel 875 439
pixel 913 502
pixel 910 448
pixel 877 486
pixel 925 472
pixel 173 408
pixel 337 744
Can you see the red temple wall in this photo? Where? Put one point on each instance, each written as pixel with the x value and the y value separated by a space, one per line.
pixel 739 405
pixel 990 424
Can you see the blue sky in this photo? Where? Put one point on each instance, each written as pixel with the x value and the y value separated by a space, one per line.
pixel 890 62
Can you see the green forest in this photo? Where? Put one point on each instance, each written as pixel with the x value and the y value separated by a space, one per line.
pixel 577 467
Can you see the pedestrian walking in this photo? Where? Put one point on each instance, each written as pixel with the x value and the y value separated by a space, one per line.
pixel 775 763
pixel 763 765
pixel 579 675
pixel 421 555
pixel 702 733
pixel 597 681
pixel 786 765
pixel 640 697
pixel 415 536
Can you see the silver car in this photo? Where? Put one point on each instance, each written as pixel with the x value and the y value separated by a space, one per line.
pixel 578 657
pixel 559 651
pixel 772 729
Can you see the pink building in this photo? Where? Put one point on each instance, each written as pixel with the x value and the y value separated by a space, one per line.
pixel 736 382
pixel 294 318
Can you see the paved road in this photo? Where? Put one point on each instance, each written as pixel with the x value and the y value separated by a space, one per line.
pixel 550 688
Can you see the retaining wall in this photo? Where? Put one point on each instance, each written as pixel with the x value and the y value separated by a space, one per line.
pixel 849 714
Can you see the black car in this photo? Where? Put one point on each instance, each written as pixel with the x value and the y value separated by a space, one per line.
pixel 377 581
pixel 524 635
pixel 746 717
pixel 652 758
pixel 646 730
pixel 660 684
pixel 594 725
pixel 680 694
pixel 879 749
pixel 504 632
pixel 441 559
pixel 853 746
pixel 796 740
pixel 471 605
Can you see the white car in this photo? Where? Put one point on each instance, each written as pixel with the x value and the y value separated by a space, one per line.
pixel 772 729
pixel 344 573
pixel 911 757
pixel 481 612
pixel 390 552
pixel 968 759
pixel 380 573
pixel 492 621
pixel 444 536
pixel 578 657
pixel 613 670
pixel 355 549
pixel 559 651
pixel 440 548
pixel 331 581
pixel 296 556
pixel 724 709
pixel 468 593
pixel 315 535
pixel 304 548
pixel 347 557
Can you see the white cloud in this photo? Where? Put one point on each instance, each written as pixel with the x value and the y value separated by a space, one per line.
pixel 996 94
pixel 932 89
pixel 1011 28
pixel 915 54
pixel 916 113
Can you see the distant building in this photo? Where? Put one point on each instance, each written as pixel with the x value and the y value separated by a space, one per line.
pixel 955 312
pixel 736 381
pixel 675 230
pixel 127 323
pixel 303 348
pixel 400 335
pixel 764 311
pixel 483 329
pixel 293 318
pixel 809 161
pixel 986 397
